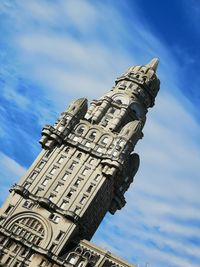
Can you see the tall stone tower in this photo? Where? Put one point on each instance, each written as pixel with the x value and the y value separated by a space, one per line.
pixel 86 165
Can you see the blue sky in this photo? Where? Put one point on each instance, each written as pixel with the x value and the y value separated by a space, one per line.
pixel 52 52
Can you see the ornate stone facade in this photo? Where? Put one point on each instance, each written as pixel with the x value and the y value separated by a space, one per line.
pixel 86 165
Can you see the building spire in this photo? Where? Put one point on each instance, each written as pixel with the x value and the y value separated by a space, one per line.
pixel 153 64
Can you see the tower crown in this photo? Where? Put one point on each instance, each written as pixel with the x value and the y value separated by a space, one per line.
pixel 147 80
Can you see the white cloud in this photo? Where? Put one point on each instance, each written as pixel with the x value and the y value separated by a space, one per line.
pixel 10 171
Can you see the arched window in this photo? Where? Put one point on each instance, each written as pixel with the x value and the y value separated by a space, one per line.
pixel 105 140
pixel 92 135
pixel 80 129
pixel 29 229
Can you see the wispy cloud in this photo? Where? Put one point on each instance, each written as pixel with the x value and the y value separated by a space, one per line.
pixel 65 49
pixel 10 170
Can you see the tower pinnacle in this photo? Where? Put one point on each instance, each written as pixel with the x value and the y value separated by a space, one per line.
pixel 153 64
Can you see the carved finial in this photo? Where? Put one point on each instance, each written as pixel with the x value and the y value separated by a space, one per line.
pixel 153 64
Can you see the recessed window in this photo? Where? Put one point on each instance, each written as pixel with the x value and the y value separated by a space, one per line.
pixel 8 209
pixel 70 193
pixel 76 138
pixel 2 240
pixel 104 140
pixel 91 161
pixel 84 172
pixel 52 247
pixel 26 185
pixel 8 260
pixel 92 135
pixel 115 153
pixel 89 189
pixel 28 204
pixel 33 175
pixel 48 153
pixel 61 127
pixel 24 252
pixel 9 243
pixel 57 188
pixel 80 130
pixel 112 110
pixel 99 149
pixel 77 209
pixel 105 122
pixel 63 205
pixel 59 235
pixel 77 182
pixel 17 264
pixel 82 200
pixel 67 149
pixel 53 170
pixel 54 218
pixel 64 178
pixel 73 259
pixel 71 167
pixel 51 197
pixel 43 263
pixel 60 160
pixel 79 155
pixel 97 177
pixel 45 182
pixel 41 164
pixel 88 144
pixel 38 191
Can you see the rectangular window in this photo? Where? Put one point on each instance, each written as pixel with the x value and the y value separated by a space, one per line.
pixel 8 260
pixel 77 209
pixel 9 244
pixel 16 249
pixel 2 240
pixel 88 144
pixel 38 191
pixel 82 200
pixel 73 260
pixel 51 197
pixel 75 138
pixel 33 175
pixel 99 149
pixel 59 235
pixel 24 252
pixel 85 171
pixel 70 193
pixel 64 178
pixel 77 182
pixel 71 167
pixel 48 153
pixel 17 264
pixel 57 188
pixel 45 182
pixel 41 165
pixel 53 170
pixel 89 189
pixel 60 160
pixel 54 218
pixel 43 263
pixel 28 204
pixel 97 177
pixel 52 247
pixel 26 185
pixel 63 205
pixel 8 209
